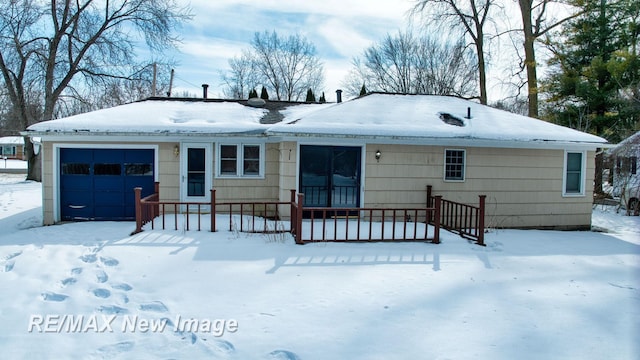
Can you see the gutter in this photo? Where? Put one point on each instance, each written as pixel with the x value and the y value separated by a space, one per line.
pixel 445 141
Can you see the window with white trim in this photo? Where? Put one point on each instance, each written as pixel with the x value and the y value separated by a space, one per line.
pixel 240 160
pixel 8 150
pixel 574 173
pixel 454 164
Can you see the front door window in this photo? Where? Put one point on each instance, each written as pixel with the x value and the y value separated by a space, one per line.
pixel 196 172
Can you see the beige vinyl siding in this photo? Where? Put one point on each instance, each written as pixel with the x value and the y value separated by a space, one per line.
pixel 288 169
pixel 168 172
pixel 46 152
pixel 523 186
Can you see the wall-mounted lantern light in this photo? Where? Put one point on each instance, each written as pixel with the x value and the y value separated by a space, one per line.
pixel 378 155
pixel 176 150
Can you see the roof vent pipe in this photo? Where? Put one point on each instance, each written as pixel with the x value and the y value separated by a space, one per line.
pixel 205 87
pixel 468 112
pixel 339 95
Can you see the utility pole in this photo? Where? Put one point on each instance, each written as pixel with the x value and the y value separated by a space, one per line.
pixel 153 85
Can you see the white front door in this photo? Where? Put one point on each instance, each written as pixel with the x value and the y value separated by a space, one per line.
pixel 196 176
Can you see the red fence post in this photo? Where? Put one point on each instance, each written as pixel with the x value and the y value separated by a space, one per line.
pixel 436 219
pixel 138 198
pixel 213 210
pixel 481 222
pixel 156 190
pixel 430 200
pixel 298 235
pixel 292 212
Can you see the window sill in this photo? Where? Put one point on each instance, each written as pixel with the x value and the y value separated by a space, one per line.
pixel 237 177
pixel 573 195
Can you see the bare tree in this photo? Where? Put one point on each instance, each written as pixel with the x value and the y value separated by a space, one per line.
pixel 104 92
pixel 410 64
pixel 240 79
pixel 50 49
pixel 537 22
pixel 287 66
pixel 471 16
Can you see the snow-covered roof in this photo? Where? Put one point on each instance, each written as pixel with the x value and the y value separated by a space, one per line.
pixel 12 140
pixel 412 116
pixel 169 116
pixel 379 116
pixel 630 144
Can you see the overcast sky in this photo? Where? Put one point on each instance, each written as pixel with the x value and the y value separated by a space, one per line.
pixel 340 30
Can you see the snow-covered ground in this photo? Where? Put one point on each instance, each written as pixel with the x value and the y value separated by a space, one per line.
pixel 91 291
pixel 12 164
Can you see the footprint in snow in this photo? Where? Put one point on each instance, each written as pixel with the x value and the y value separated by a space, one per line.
pixel 51 296
pixel 11 263
pixel 101 276
pixel 13 255
pixel 69 281
pixel 113 350
pixel 101 293
pixel 76 271
pixel 224 346
pixel 9 266
pixel 89 258
pixel 124 298
pixel 155 306
pixel 109 261
pixel 191 337
pixel 122 286
pixel 112 310
pixel 283 355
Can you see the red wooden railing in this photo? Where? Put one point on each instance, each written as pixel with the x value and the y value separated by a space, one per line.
pixel 259 217
pixel 146 213
pixel 322 224
pixel 368 224
pixel 464 219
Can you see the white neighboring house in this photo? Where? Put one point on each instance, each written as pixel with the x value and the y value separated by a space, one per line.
pixel 626 179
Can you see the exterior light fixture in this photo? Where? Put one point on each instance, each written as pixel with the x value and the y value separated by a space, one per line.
pixel 176 150
pixel 378 155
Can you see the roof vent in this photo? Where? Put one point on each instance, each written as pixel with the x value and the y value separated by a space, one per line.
pixel 450 119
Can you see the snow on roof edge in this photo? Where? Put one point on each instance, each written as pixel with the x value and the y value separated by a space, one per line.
pixel 375 115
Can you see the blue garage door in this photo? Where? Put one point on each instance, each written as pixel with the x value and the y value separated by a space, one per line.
pixel 97 184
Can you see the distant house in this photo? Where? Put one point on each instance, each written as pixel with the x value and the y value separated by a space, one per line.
pixel 626 179
pixel 12 147
pixel 379 150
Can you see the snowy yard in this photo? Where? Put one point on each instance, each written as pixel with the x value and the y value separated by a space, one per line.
pixel 89 290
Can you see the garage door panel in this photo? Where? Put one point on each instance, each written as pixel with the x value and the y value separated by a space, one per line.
pixel 140 155
pixel 108 183
pixel 109 198
pixel 76 155
pixel 113 213
pixel 145 182
pixel 78 199
pixel 109 155
pixel 75 183
pixel 98 183
pixel 77 205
